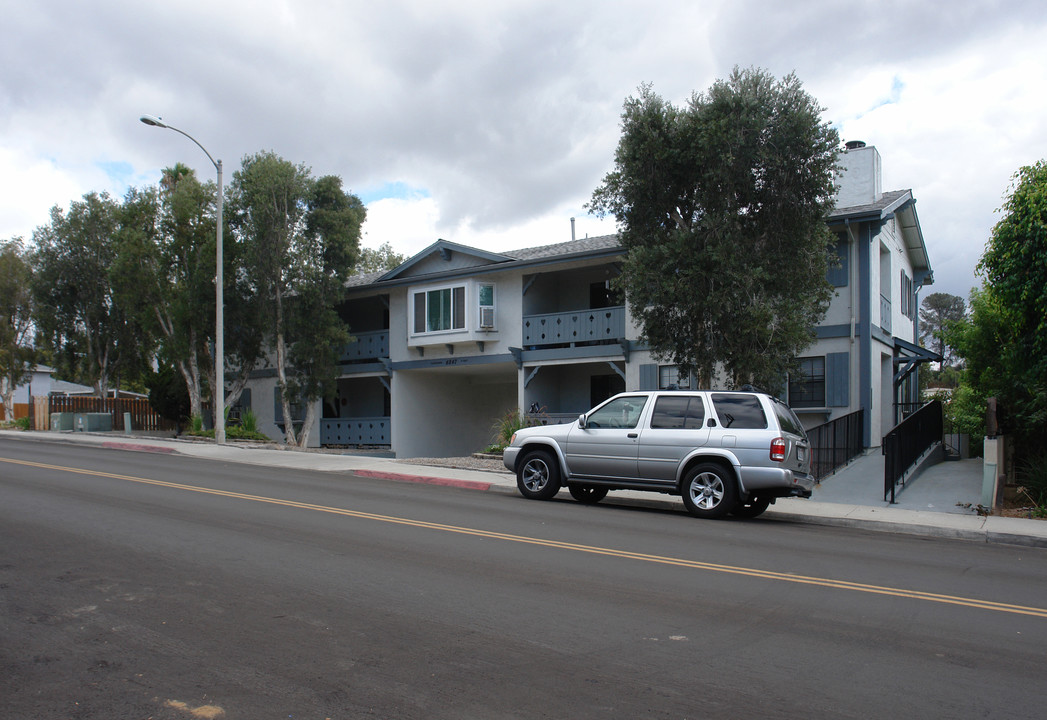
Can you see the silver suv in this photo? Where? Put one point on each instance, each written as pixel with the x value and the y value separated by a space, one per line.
pixel 723 452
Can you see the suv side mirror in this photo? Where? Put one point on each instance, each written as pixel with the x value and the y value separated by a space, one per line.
pixel 581 421
pixel 711 422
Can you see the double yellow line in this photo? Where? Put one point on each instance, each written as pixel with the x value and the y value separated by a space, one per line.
pixel 560 545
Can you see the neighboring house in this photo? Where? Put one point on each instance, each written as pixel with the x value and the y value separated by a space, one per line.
pixel 456 337
pixel 41 384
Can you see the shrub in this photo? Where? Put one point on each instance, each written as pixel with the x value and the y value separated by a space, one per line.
pixel 249 421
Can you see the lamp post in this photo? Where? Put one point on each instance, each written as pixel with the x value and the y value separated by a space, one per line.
pixel 219 332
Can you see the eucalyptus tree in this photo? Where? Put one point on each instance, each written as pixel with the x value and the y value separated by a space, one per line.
pixel 17 354
pixel 297 239
pixel 165 272
pixel 721 205
pixel 93 337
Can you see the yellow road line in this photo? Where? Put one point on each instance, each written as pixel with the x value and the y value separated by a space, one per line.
pixel 561 545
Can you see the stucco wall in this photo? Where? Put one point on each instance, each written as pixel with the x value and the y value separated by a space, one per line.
pixel 448 414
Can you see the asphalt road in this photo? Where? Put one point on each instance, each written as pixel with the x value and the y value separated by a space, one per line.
pixel 135 585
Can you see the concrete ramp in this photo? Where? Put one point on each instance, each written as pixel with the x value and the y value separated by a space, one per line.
pixel 952 487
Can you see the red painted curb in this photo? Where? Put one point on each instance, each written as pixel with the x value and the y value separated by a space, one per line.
pixel 448 482
pixel 139 448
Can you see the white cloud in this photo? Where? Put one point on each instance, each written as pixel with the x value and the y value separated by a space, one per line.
pixel 505 113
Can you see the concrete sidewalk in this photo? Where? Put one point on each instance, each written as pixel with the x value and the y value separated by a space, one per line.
pixel 851 498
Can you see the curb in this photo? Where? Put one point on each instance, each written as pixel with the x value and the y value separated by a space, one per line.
pixel 423 479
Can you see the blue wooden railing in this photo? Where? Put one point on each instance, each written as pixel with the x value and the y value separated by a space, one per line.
pixel 367 346
pixel 355 431
pixel 577 326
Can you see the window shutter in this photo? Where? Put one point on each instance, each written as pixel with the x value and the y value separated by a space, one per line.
pixel 837 379
pixel 419 312
pixel 278 408
pixel 838 276
pixel 245 398
pixel 649 377
pixel 458 316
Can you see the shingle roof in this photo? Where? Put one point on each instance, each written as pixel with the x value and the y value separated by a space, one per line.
pixel 571 247
pixel 886 202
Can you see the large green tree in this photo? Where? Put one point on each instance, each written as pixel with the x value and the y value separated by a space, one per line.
pixel 382 258
pixel 92 336
pixel 165 272
pixel 16 321
pixel 298 238
pixel 1004 341
pixel 721 205
pixel 937 312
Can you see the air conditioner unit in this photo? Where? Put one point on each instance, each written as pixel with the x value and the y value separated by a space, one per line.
pixel 487 318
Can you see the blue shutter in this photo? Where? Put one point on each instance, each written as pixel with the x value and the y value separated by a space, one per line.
pixel 838 276
pixel 648 377
pixel 837 379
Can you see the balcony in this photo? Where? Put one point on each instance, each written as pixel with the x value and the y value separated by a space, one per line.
pixel 355 431
pixel 885 314
pixel 367 347
pixel 578 327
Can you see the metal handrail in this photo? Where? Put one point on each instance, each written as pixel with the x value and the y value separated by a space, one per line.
pixel 835 443
pixel 907 442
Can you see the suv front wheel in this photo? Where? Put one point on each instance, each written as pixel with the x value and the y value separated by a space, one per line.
pixel 709 491
pixel 538 475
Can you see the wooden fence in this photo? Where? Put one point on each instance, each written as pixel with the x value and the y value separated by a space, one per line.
pixel 143 417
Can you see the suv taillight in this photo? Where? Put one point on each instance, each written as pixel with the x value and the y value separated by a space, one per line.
pixel 778 449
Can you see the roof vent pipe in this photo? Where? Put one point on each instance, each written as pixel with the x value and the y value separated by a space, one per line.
pixel 572 229
pixel 854 144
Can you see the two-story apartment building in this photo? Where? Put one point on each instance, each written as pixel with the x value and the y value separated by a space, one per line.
pixel 456 337
pixel 867 352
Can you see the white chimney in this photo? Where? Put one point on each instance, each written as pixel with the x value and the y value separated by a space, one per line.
pixel 859 175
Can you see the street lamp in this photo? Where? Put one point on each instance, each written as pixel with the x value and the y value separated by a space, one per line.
pixel 219 334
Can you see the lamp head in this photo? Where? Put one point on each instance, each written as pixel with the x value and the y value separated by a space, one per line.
pixel 153 121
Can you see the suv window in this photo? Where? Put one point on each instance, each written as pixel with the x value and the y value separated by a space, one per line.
pixel 678 413
pixel 787 419
pixel 739 412
pixel 623 412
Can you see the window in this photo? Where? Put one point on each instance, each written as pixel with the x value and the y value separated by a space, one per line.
pixel 623 412
pixel 739 412
pixel 437 310
pixel 678 413
pixel 669 378
pixel 485 298
pixel 807 387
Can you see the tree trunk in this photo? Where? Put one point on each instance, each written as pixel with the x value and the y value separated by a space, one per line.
pixel 310 418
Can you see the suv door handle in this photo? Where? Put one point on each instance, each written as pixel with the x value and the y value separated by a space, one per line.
pixel 633 435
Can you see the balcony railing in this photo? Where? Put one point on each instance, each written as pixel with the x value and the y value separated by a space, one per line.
pixel 574 327
pixel 355 431
pixel 885 314
pixel 368 346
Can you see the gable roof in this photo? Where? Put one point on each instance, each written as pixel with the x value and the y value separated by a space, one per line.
pixel 448 259
pixel 901 205
pixel 446 252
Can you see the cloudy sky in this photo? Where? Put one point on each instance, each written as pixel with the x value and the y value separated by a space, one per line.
pixel 490 122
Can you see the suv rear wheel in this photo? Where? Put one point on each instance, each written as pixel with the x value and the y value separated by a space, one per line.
pixel 587 494
pixel 709 491
pixel 538 475
pixel 753 507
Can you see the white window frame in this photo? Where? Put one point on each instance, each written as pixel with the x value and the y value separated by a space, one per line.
pixel 457 324
pixel 670 375
pixel 480 306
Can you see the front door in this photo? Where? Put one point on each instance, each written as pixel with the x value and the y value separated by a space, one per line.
pixel 607 447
